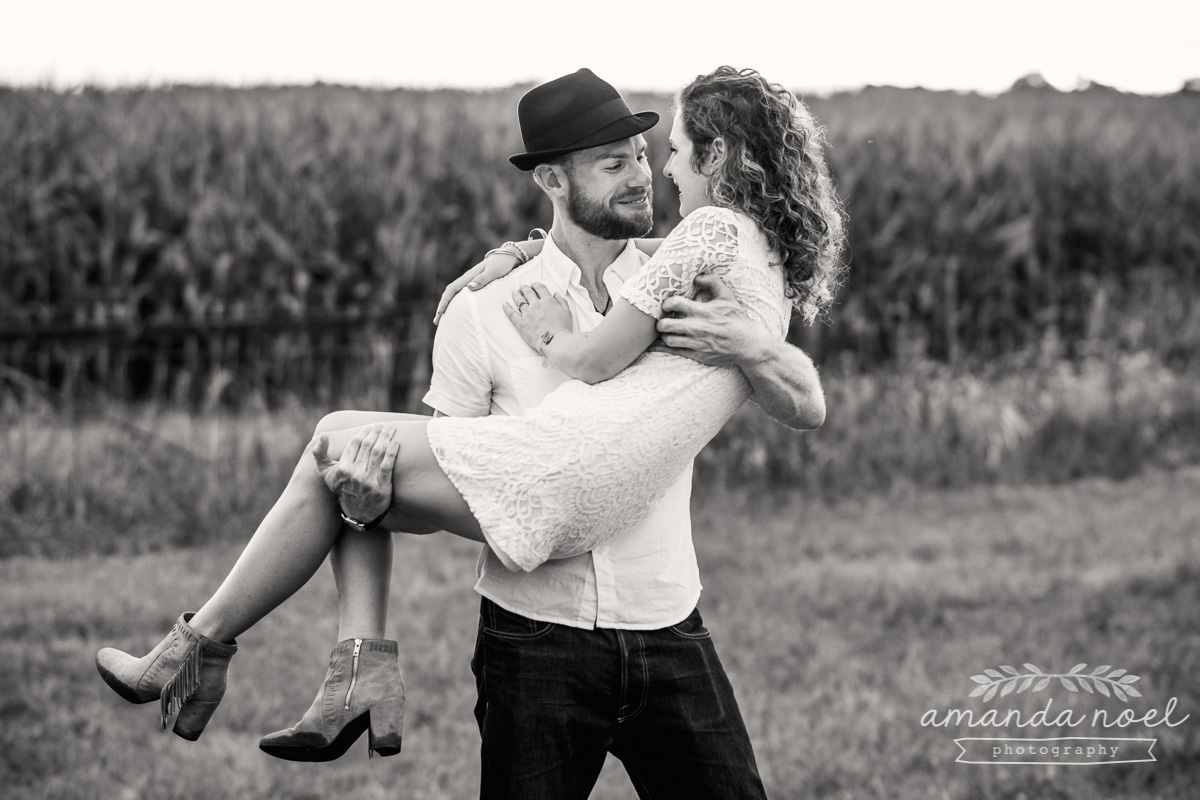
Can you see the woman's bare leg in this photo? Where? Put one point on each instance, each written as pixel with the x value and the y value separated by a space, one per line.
pixel 362 571
pixel 289 545
pixel 300 530
pixel 362 562
pixel 422 495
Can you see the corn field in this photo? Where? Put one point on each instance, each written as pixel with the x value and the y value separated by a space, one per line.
pixel 216 245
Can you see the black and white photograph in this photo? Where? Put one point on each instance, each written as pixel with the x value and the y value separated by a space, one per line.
pixel 549 401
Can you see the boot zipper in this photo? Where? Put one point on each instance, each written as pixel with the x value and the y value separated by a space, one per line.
pixel 353 672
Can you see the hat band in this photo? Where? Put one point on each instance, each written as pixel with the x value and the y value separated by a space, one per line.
pixel 579 127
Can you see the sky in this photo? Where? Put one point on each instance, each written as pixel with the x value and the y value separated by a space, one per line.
pixel 1149 46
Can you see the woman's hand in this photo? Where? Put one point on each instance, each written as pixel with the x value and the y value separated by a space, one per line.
pixel 535 311
pixel 494 266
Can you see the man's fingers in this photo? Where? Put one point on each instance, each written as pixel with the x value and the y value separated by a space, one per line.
pixel 673 325
pixel 350 454
pixel 382 442
pixel 388 462
pixel 714 284
pixel 678 342
pixel 320 451
pixel 678 304
pixel 368 442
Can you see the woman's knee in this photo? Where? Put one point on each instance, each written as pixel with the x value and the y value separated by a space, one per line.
pixel 338 421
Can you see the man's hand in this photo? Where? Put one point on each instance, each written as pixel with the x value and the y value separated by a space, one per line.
pixel 534 310
pixel 362 477
pixel 718 332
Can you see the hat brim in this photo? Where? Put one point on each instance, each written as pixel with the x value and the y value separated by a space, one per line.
pixel 624 128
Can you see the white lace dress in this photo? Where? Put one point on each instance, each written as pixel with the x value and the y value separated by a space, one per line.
pixel 592 460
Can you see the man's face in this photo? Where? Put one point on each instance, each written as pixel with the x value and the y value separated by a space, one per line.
pixel 609 190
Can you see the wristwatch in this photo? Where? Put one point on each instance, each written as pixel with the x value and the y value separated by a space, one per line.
pixel 362 526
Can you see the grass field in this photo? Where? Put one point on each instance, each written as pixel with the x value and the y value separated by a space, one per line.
pixel 839 625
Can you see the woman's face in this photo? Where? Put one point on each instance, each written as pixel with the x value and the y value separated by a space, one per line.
pixel 693 185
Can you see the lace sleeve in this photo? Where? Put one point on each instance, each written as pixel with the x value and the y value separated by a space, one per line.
pixel 706 238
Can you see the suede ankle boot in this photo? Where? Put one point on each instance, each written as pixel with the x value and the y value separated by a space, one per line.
pixel 363 689
pixel 185 672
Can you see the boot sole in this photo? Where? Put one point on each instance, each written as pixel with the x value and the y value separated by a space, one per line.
pixel 334 750
pixel 120 688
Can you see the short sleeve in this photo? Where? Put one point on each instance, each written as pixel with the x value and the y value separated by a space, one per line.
pixel 705 239
pixel 461 385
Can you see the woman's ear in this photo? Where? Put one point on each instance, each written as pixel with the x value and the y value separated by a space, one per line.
pixel 716 156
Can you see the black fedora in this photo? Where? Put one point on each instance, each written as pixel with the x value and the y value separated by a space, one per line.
pixel 574 112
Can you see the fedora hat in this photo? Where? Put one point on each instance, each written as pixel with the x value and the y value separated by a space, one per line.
pixel 571 113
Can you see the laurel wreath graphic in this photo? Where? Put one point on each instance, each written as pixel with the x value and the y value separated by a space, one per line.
pixel 1116 683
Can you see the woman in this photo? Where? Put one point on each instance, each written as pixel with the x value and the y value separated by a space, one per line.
pixel 759 211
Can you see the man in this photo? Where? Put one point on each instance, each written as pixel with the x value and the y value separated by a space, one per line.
pixel 603 652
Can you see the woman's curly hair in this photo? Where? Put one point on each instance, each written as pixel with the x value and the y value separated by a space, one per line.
pixel 773 171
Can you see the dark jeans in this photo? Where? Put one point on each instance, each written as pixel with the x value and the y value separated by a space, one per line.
pixel 554 700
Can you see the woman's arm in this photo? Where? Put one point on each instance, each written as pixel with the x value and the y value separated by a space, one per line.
pixel 647 246
pixel 706 237
pixel 623 334
pixel 497 265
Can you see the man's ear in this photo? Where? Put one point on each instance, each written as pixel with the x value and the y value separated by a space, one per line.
pixel 716 156
pixel 551 178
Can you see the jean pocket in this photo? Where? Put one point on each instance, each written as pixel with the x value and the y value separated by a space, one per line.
pixel 505 624
pixel 691 628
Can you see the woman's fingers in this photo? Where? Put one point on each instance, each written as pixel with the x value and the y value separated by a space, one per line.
pixel 493 268
pixel 454 287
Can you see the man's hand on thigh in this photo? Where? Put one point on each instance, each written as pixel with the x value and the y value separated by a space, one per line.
pixel 362 477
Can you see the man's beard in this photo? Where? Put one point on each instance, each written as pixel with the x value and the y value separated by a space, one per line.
pixel 601 220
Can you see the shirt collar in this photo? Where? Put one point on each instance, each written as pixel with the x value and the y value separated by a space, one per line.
pixel 566 273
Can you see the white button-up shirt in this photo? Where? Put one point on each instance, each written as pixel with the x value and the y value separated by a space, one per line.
pixel 643 578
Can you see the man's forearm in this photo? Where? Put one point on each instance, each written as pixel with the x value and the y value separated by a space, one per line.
pixel 786 385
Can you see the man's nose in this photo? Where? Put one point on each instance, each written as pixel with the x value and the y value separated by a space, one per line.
pixel 641 175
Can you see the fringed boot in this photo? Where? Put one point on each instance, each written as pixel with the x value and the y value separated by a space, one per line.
pixel 185 673
pixel 363 689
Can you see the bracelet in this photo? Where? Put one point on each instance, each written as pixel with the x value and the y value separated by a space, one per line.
pixel 548 337
pixel 509 249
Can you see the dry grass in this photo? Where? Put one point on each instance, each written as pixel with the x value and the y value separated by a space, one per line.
pixel 131 479
pixel 838 625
